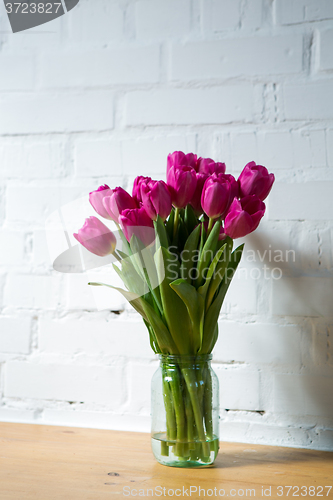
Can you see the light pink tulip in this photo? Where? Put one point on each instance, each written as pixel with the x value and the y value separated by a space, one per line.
pixel 96 200
pixel 96 237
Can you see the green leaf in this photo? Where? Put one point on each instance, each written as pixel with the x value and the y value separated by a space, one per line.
pixel 204 288
pixel 219 272
pixel 174 309
pixel 207 254
pixel 189 253
pixel 195 306
pixel 190 219
pixel 161 233
pixel 213 312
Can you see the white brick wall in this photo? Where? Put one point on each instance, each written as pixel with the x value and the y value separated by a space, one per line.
pixel 104 94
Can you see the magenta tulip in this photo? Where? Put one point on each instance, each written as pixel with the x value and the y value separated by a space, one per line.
pixel 180 159
pixel 136 192
pixel 96 200
pixel 136 221
pixel 96 237
pixel 216 195
pixel 118 201
pixel 244 216
pixel 156 199
pixel 255 179
pixel 196 199
pixel 181 181
pixel 209 166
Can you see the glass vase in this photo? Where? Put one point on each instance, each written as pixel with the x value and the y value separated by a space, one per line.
pixel 185 411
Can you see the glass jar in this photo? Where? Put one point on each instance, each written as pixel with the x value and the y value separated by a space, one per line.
pixel 185 411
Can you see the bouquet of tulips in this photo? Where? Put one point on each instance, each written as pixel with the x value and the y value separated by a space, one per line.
pixel 176 260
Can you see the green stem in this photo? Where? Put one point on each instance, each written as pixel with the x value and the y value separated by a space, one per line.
pixel 176 221
pixel 208 395
pixel 191 382
pixel 210 226
pixel 169 409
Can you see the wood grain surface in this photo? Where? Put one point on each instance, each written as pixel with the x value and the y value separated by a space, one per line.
pixel 40 462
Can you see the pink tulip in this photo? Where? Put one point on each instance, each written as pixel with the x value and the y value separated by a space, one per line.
pixel 216 195
pixel 233 186
pixel 255 179
pixel 244 216
pixel 118 201
pixel 96 199
pixel 137 221
pixel 180 159
pixel 196 199
pixel 181 182
pixel 209 167
pixel 156 199
pixel 136 192
pixel 96 237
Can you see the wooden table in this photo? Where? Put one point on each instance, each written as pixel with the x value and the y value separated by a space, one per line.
pixel 59 463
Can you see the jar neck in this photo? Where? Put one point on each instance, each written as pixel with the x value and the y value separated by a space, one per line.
pixel 184 359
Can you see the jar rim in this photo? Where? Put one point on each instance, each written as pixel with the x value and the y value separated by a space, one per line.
pixel 184 358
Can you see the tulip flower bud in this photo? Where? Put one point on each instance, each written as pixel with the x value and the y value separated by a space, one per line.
pixel 156 199
pixel 117 202
pixel 244 216
pixel 255 179
pixel 181 182
pixel 180 159
pixel 136 192
pixel 196 198
pixel 208 166
pixel 96 200
pixel 137 221
pixel 96 237
pixel 216 195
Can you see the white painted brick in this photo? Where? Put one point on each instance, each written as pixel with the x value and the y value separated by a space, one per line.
pixel 17 72
pixel 252 14
pixel 32 41
pixel 275 150
pixel 98 157
pixel 103 385
pixel 302 296
pixel 32 291
pixel 326 44
pixel 178 106
pixel 309 148
pixel 150 153
pixel 239 389
pixel 101 67
pixel 95 336
pixel 221 16
pixel 157 19
pixel 306 201
pixel 15 335
pixel 79 295
pixel 303 10
pixel 242 294
pixel 244 148
pixel 97 420
pixel 330 147
pixel 227 58
pixel 323 439
pixel 258 343
pixel 310 101
pixel 40 202
pixel 100 25
pixel 31 159
pixel 12 248
pixel 303 395
pixel 74 111
pixel 140 386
